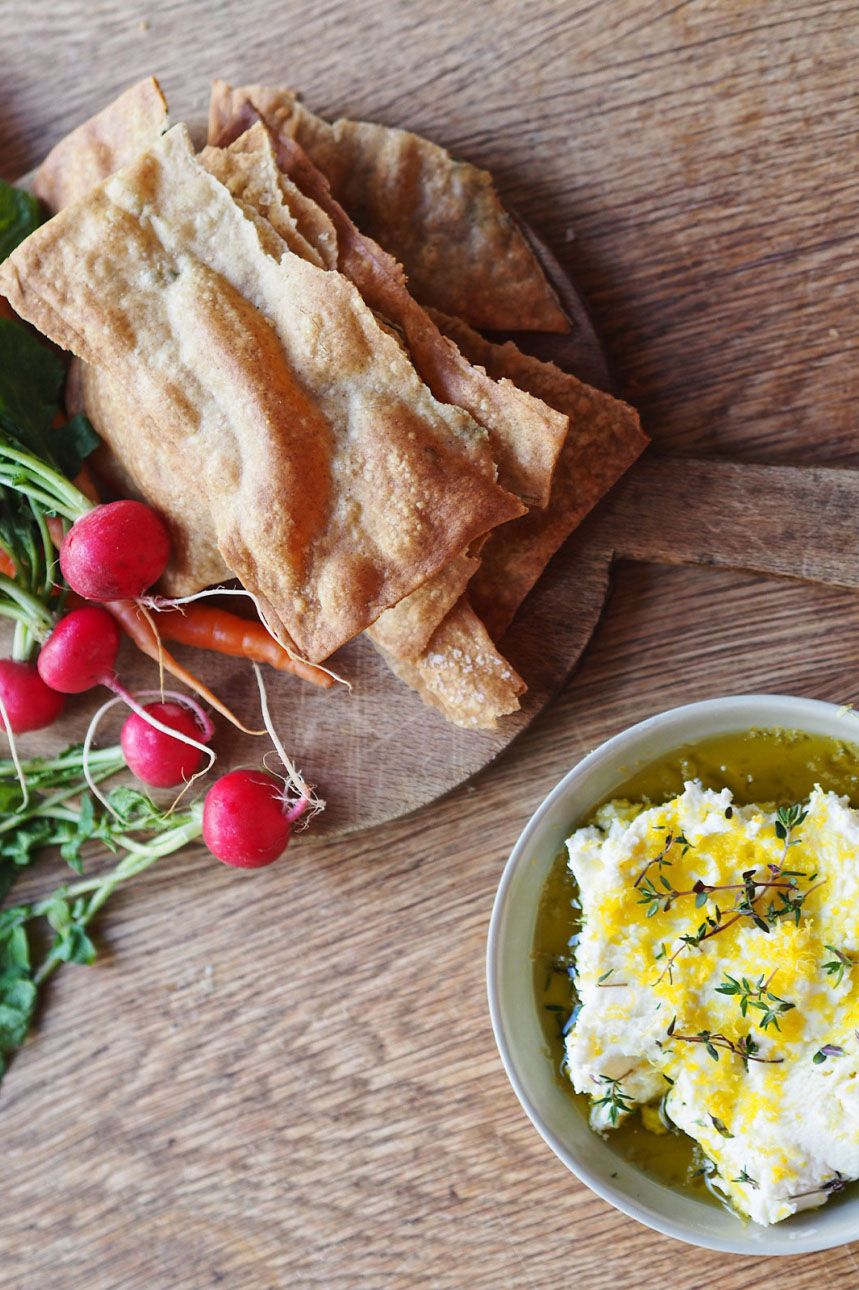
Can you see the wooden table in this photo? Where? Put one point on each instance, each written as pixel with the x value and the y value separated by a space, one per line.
pixel 289 1079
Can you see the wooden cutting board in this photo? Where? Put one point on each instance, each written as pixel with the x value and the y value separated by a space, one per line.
pixel 376 752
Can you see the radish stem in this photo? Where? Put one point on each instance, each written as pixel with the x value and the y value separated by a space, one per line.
pixel 21 777
pixel 137 859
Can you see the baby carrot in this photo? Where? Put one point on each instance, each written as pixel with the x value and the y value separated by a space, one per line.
pixel 208 627
pixel 136 626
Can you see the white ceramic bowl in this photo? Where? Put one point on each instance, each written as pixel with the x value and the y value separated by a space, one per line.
pixel 514 1010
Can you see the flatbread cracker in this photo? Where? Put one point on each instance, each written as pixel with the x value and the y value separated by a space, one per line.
pixel 441 218
pixel 604 439
pixel 89 154
pixel 102 145
pixel 462 674
pixel 404 631
pixel 338 484
pixel 249 170
pixel 525 433
pixel 160 478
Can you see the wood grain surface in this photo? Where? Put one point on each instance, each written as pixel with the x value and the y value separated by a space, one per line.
pixel 288 1078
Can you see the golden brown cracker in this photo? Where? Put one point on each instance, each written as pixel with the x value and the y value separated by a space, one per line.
pixel 404 631
pixel 158 477
pixel 337 483
pixel 440 217
pixel 102 145
pixel 462 674
pixel 249 170
pixel 604 439
pixel 525 433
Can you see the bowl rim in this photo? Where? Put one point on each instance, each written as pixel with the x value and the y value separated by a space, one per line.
pixel 801 708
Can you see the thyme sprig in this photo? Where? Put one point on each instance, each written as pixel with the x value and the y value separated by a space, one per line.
pixel 671 839
pixel 660 894
pixel 837 966
pixel 701 891
pixel 788 818
pixel 614 1099
pixel 745 906
pixel 745 1048
pixel 758 996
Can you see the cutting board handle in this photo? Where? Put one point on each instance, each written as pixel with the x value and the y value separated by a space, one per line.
pixel 796 522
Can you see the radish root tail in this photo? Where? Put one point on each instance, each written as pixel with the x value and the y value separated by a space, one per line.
pixel 308 804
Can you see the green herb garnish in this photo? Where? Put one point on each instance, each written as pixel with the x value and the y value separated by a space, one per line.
pixel 828 1050
pixel 745 1048
pixel 617 1102
pixel 836 967
pixel 759 997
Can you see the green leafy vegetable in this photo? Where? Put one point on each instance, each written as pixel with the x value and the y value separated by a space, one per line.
pixel 51 818
pixel 35 463
pixel 20 214
pixel 63 815
pixel 31 384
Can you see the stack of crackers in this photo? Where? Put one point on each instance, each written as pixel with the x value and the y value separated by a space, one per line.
pixel 278 339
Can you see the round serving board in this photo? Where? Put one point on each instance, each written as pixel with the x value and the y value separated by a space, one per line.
pixel 377 752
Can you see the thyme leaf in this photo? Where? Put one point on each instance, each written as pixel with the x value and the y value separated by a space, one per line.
pixel 828 1050
pixel 758 996
pixel 837 966
pixel 614 1099
pixel 745 1048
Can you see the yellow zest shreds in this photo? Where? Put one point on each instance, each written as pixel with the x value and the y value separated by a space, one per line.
pixel 716 969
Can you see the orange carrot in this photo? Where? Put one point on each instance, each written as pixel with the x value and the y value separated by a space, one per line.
pixel 7 564
pixel 132 621
pixel 56 529
pixel 85 484
pixel 208 627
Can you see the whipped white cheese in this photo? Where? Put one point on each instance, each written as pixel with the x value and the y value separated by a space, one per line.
pixel 777 1109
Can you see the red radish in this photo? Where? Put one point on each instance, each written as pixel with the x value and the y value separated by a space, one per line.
pixel 80 652
pixel 30 704
pixel 153 756
pixel 246 822
pixel 115 551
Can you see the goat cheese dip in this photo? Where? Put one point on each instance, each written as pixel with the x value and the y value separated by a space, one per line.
pixel 717 972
